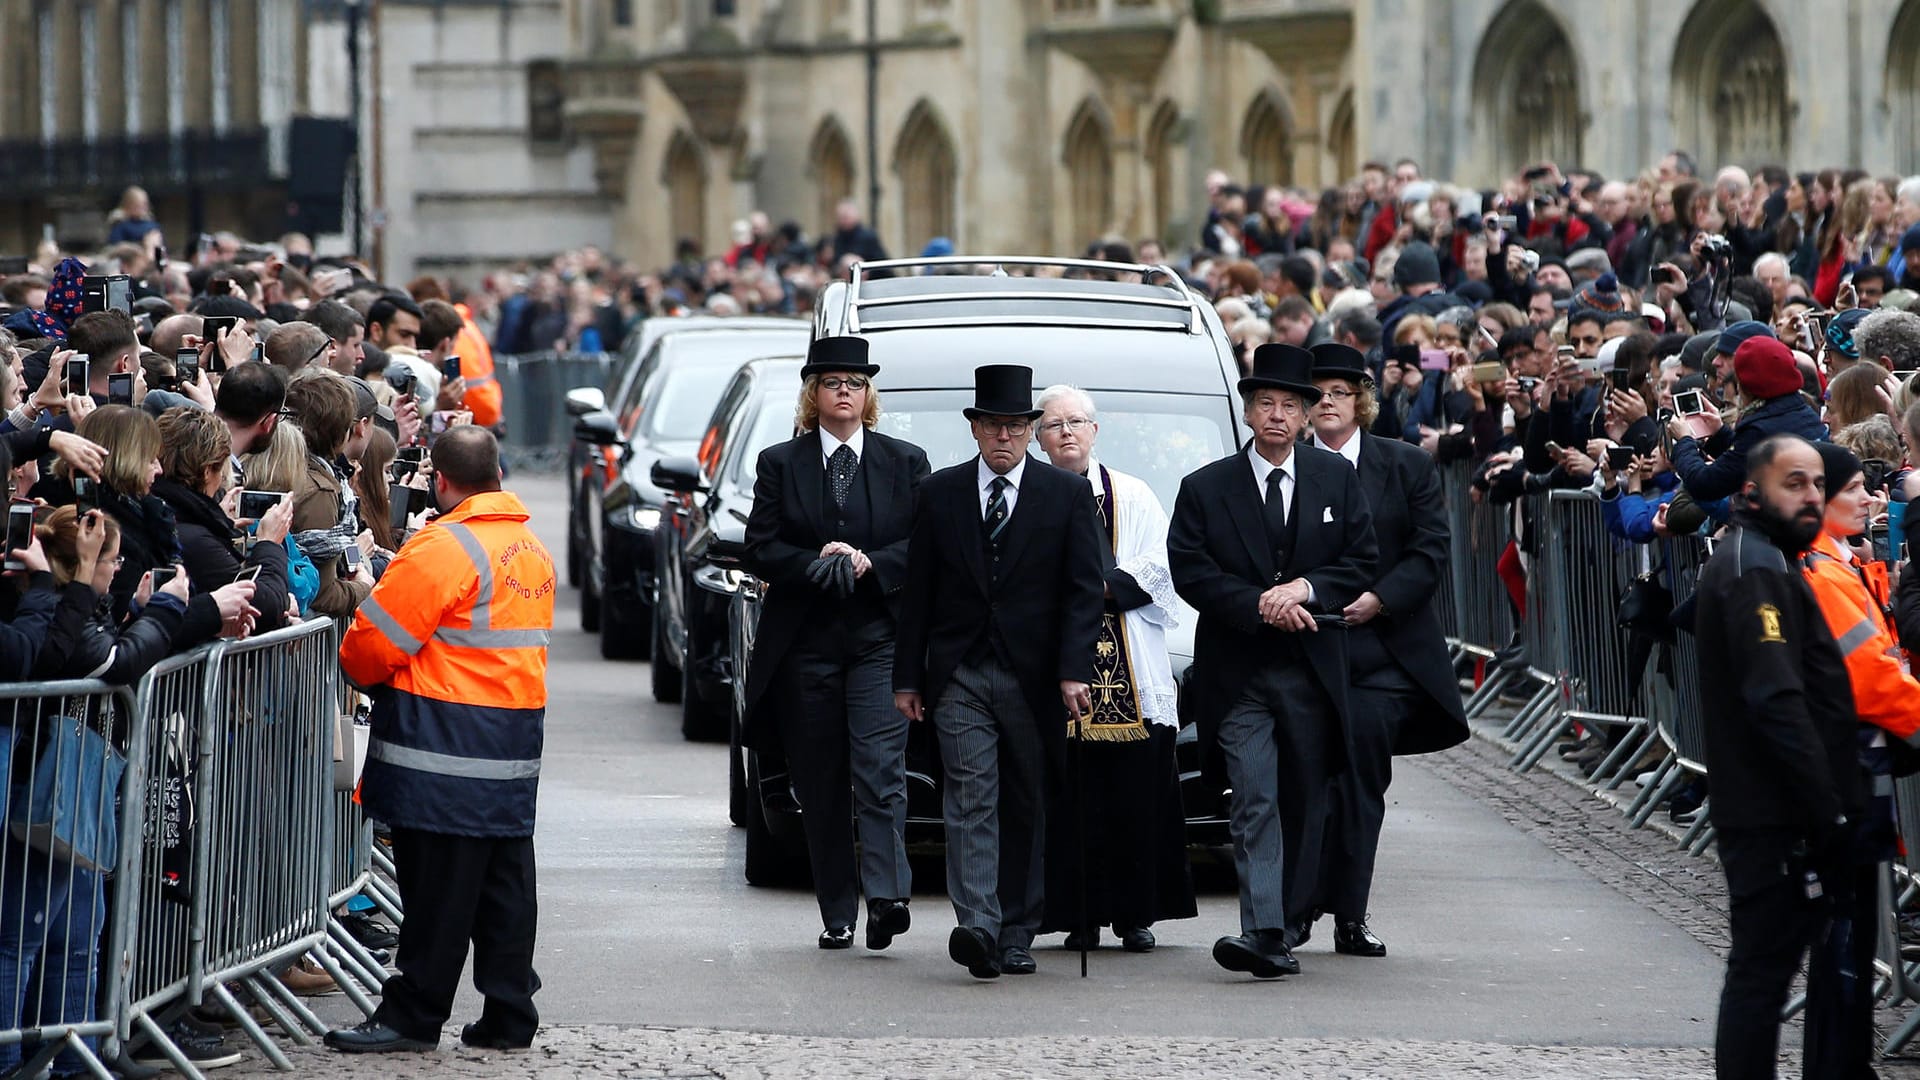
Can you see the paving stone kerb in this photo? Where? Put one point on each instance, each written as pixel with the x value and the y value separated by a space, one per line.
pixel 661 1053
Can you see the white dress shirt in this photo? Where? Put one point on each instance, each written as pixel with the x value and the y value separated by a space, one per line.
pixel 1262 468
pixel 1351 451
pixel 828 444
pixel 985 480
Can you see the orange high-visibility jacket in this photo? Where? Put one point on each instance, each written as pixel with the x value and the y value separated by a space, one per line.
pixel 1851 597
pixel 476 367
pixel 453 646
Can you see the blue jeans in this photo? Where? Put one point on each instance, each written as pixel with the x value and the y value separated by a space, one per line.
pixel 51 916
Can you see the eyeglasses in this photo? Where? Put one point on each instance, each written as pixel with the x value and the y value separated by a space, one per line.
pixel 851 382
pixel 317 353
pixel 1014 428
pixel 118 561
pixel 1055 427
pixel 1339 394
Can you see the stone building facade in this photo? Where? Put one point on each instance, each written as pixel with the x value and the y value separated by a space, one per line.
pixel 1038 124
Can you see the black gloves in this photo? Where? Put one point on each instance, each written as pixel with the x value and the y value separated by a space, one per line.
pixel 833 574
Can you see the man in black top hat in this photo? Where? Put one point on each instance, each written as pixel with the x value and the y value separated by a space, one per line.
pixel 1268 544
pixel 1002 606
pixel 832 510
pixel 1404 698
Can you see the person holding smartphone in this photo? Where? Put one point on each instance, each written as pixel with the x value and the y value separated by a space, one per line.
pixel 195 449
pixel 326 516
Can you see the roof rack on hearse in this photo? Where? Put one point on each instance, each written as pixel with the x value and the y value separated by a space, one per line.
pixel 975 291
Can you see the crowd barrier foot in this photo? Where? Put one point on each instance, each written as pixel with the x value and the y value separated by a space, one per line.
pixel 1554 723
pixel 1529 714
pixel 1641 741
pixel 43 1059
pixel 297 1020
pixel 1673 775
pixel 161 1041
pixel 255 1033
pixel 1483 698
pixel 349 979
pixel 1903 1035
pixel 355 957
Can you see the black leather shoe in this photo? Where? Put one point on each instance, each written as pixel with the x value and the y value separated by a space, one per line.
pixel 1354 939
pixel 480 1037
pixel 886 919
pixel 1083 939
pixel 1016 960
pixel 1136 939
pixel 1262 954
pixel 972 948
pixel 837 937
pixel 374 1037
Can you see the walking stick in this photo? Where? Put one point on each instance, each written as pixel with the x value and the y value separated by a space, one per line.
pixel 1080 834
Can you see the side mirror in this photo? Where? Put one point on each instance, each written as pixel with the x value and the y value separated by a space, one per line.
pixel 598 429
pixel 585 399
pixel 677 474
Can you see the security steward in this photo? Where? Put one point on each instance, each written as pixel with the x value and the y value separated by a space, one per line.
pixel 452 645
pixel 1780 745
pixel 832 511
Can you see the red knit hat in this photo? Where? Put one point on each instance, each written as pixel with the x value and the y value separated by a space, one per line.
pixel 1766 369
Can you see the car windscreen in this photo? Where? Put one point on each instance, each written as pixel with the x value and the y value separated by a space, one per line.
pixel 1159 438
pixel 772 423
pixel 680 405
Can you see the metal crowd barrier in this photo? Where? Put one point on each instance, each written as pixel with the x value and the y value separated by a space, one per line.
pixel 533 393
pixel 195 826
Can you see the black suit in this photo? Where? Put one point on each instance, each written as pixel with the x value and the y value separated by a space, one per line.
pixel 1278 698
pixel 987 633
pixel 1404 698
pixel 829 660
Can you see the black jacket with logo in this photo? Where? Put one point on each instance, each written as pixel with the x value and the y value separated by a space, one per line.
pixel 1778 706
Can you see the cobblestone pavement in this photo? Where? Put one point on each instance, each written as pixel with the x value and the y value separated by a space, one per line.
pixel 657 1054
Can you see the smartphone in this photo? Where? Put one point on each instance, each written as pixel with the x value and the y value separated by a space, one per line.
pixel 211 331
pixel 120 388
pixel 86 495
pixel 350 560
pixel 162 575
pixel 186 366
pixel 450 368
pixel 1665 275
pixel 1435 360
pixel 106 292
pixel 1502 222
pixel 79 377
pixel 1622 378
pixel 248 573
pixel 1489 371
pixel 1553 448
pixel 402 509
pixel 259 353
pixel 19 532
pixel 11 265
pixel 257 504
pixel 1487 336
pixel 1619 458
pixel 1690 402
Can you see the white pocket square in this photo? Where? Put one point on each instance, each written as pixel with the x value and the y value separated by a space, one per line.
pixel 1326 516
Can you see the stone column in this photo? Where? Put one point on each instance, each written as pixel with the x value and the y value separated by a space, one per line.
pixel 68 82
pixel 197 30
pixel 1127 98
pixel 110 69
pixel 244 66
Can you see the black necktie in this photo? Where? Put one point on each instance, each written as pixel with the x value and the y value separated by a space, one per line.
pixel 996 519
pixel 1276 509
pixel 840 469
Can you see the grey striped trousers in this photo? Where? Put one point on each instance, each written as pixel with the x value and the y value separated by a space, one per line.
pixel 995 802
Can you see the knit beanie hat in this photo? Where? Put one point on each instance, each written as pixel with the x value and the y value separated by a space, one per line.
pixel 1840 332
pixel 1766 369
pixel 1600 294
pixel 1737 334
pixel 1417 265
pixel 1842 465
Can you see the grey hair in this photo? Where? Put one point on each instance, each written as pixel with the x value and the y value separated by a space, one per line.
pixel 1772 258
pixel 1909 190
pixel 1063 392
pixel 1892 334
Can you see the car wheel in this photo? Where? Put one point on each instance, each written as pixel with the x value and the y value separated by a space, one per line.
pixel 589 604
pixel 769 863
pixel 622 635
pixel 700 719
pixel 665 673
pixel 576 548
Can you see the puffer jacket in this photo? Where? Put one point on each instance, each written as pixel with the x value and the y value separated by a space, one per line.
pixel 1788 414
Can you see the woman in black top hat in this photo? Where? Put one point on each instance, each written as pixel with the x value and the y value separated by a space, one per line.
pixel 832 510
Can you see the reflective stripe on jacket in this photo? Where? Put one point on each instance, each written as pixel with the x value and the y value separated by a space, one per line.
pixel 476 369
pixel 454 641
pixel 1884 694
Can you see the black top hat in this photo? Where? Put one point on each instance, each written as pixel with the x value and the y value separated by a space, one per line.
pixel 1002 390
pixel 1332 360
pixel 848 354
pixel 1282 367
